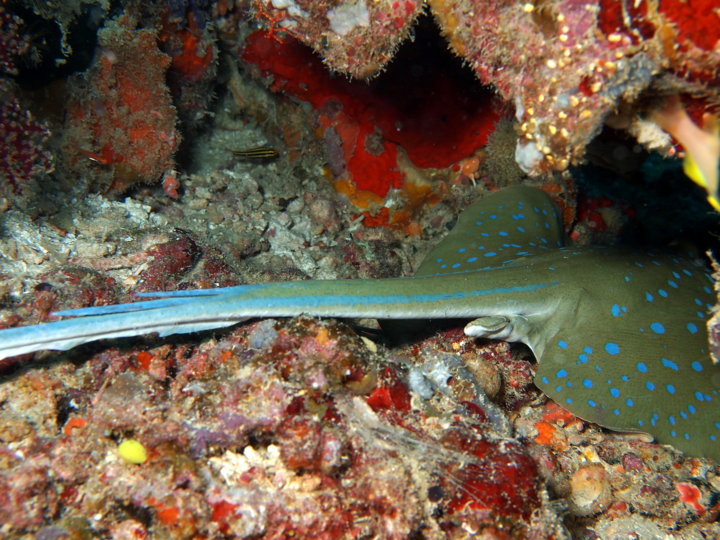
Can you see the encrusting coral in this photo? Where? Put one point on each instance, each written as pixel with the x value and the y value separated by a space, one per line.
pixel 565 65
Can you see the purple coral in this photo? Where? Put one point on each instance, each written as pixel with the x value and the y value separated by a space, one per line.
pixel 12 44
pixel 22 139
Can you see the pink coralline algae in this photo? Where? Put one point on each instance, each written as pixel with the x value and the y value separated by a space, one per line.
pixel 567 66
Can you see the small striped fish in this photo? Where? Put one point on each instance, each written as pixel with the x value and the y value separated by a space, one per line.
pixel 257 154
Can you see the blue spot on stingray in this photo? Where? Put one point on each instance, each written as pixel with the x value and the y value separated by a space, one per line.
pixel 629 402
pixel 625 378
pixel 673 433
pixel 462 250
pixel 490 254
pixel 481 247
pixel 456 265
pixel 472 259
pixel 673 284
pixel 697 366
pixel 587 383
pixel 443 266
pixel 545 380
pixel 700 315
pixel 684 415
pixel 676 275
pixel 653 420
pixel 583 358
pixel 639 265
pixel 670 389
pixel 627 278
pixel 592 403
pixel 662 293
pixel 561 373
pixel 521 229
pixel 612 348
pixel 478 223
pixel 558 388
pixel 588 350
pixel 687 436
pixel 649 297
pixel 671 419
pixel 568 400
pixel 669 364
pixel 485 234
pixel 641 423
pixel 641 367
pixel 598 368
pixel 615 310
pixel 503 233
pixel 614 392
pixel 439 260
pixel 650 386
pixel 687 272
pixel 692 328
pixel 493 216
pixel 616 412
pixel 699 396
pixel 692 409
pixel 518 216
pixel 713 437
pixel 657 328
pixel 707 290
pixel 562 344
pixel 522 253
pixel 698 302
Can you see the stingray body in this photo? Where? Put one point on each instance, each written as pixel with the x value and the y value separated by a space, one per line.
pixel 620 337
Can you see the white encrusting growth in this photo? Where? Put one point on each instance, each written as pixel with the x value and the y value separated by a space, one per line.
pixel 346 17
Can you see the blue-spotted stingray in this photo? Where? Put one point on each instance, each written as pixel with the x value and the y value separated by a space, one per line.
pixel 620 337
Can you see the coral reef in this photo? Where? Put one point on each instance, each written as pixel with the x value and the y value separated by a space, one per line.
pixel 566 66
pixel 304 427
pixel 377 134
pixel 193 65
pixel 120 121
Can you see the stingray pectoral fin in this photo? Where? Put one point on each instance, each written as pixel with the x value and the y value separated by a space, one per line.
pixel 637 384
